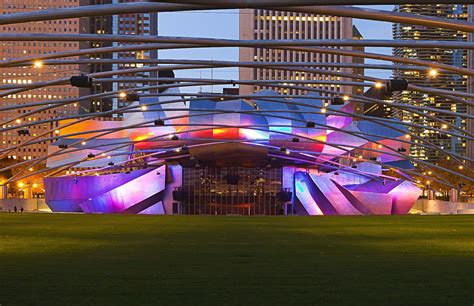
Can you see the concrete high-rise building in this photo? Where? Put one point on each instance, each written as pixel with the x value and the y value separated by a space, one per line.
pixel 125 24
pixel 35 73
pixel 446 81
pixel 268 25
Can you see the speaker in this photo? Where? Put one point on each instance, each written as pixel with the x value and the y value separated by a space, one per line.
pixel 159 122
pixel 132 97
pixel 310 124
pixel 284 196
pixel 397 85
pixel 169 74
pixel 337 101
pixel 232 179
pixel 82 81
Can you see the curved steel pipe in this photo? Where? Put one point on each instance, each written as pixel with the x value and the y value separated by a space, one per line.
pixel 146 7
pixel 419 161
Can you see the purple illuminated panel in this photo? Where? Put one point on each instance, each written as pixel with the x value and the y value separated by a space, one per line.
pixel 124 197
pixel 321 195
pixel 63 194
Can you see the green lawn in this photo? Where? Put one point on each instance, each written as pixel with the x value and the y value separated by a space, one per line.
pixel 52 259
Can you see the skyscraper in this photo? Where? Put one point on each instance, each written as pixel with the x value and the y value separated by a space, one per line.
pixel 35 73
pixel 446 81
pixel 125 24
pixel 268 25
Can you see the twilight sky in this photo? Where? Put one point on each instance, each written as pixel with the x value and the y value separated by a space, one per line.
pixel 225 24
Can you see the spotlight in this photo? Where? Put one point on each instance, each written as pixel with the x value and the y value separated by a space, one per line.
pixel 90 155
pixel 461 167
pixel 295 139
pixel 122 95
pixel 111 163
pixel 323 110
pixel 174 137
pixel 143 108
pixel 82 81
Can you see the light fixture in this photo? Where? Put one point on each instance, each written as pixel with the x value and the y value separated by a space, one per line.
pixel 83 143
pixel 21 184
pixel 37 64
pixel 346 98
pixel 57 131
pixel 35 185
pixel 18 121
pixel 378 85
pixel 122 94
pixel 31 169
pixel 461 167
pixel 444 126
pixel 143 108
pixel 433 73
pixel 323 110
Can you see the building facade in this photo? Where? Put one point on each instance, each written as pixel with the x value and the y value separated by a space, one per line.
pixel 33 73
pixel 125 24
pixel 267 25
pixel 446 81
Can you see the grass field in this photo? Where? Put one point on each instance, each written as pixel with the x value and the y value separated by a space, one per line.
pixel 52 259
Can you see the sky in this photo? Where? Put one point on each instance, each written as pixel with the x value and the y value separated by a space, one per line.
pixel 225 24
